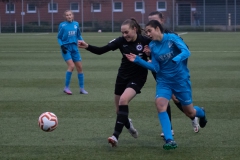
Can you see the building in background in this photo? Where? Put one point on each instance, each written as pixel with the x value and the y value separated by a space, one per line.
pixel 107 15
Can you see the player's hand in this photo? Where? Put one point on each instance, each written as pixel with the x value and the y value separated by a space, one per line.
pixel 82 44
pixel 131 57
pixel 64 49
pixel 147 50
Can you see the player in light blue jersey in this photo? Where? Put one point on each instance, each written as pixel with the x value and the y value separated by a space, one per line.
pixel 156 15
pixel 169 60
pixel 68 36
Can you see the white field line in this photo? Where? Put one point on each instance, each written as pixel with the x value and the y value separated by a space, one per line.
pixel 39 34
pixel 24 34
pixel 182 33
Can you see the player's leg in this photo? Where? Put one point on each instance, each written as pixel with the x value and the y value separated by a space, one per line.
pixel 168 109
pixel 163 94
pixel 80 77
pixel 77 60
pixel 185 97
pixel 195 111
pixel 122 115
pixel 128 124
pixel 70 67
pixel 170 118
pixel 195 123
pixel 120 86
pixel 116 100
pixel 136 84
pixel 161 104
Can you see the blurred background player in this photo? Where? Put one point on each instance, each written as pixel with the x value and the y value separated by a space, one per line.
pixel 156 15
pixel 169 60
pixel 68 36
pixel 131 77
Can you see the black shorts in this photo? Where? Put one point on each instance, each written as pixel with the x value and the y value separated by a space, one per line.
pixel 134 83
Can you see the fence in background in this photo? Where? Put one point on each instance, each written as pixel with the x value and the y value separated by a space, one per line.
pixel 107 15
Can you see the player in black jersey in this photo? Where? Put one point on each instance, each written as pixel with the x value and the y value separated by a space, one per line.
pixel 131 77
pixel 159 17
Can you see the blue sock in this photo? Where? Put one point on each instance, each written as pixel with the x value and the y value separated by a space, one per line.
pixel 166 125
pixel 199 112
pixel 81 80
pixel 68 78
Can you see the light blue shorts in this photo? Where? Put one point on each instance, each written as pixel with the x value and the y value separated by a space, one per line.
pixel 182 91
pixel 72 53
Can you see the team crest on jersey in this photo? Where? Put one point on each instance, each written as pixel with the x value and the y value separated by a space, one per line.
pixel 139 47
pixel 75 26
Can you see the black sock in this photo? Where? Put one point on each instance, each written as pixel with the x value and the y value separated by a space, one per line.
pixel 169 114
pixel 127 124
pixel 122 118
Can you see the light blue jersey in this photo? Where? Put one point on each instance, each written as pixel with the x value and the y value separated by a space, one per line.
pixel 68 32
pixel 169 59
pixel 68 35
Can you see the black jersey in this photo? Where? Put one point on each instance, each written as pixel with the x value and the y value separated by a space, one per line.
pixel 129 69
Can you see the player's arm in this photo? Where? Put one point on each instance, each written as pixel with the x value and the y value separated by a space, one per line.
pixel 60 34
pixel 112 45
pixel 59 37
pixel 185 53
pixel 94 49
pixel 153 66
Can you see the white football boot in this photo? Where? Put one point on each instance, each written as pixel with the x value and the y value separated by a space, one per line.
pixel 132 130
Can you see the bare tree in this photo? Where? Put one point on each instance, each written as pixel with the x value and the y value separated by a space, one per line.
pixel 39 4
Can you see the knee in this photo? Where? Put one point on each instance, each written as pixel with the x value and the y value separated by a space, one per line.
pixel 123 101
pixel 71 67
pixel 189 114
pixel 161 107
pixel 79 69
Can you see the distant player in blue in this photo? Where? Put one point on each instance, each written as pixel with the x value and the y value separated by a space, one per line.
pixel 169 60
pixel 68 36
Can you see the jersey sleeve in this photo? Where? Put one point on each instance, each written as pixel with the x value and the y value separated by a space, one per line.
pixel 184 51
pixel 115 43
pixel 112 45
pixel 60 34
pixel 98 50
pixel 153 66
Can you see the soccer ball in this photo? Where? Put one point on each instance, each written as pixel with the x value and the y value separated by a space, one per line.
pixel 48 121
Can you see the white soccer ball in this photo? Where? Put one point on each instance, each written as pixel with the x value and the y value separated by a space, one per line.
pixel 48 121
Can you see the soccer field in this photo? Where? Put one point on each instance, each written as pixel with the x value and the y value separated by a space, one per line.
pixel 32 74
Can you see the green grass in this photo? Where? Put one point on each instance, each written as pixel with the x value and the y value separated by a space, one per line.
pixel 32 78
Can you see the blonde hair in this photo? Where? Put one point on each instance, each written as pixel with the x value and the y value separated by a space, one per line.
pixel 64 13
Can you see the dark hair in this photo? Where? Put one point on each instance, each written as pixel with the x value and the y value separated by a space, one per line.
pixel 155 24
pixel 160 15
pixel 132 22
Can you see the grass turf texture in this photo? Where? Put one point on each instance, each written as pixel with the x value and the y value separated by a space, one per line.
pixel 32 79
